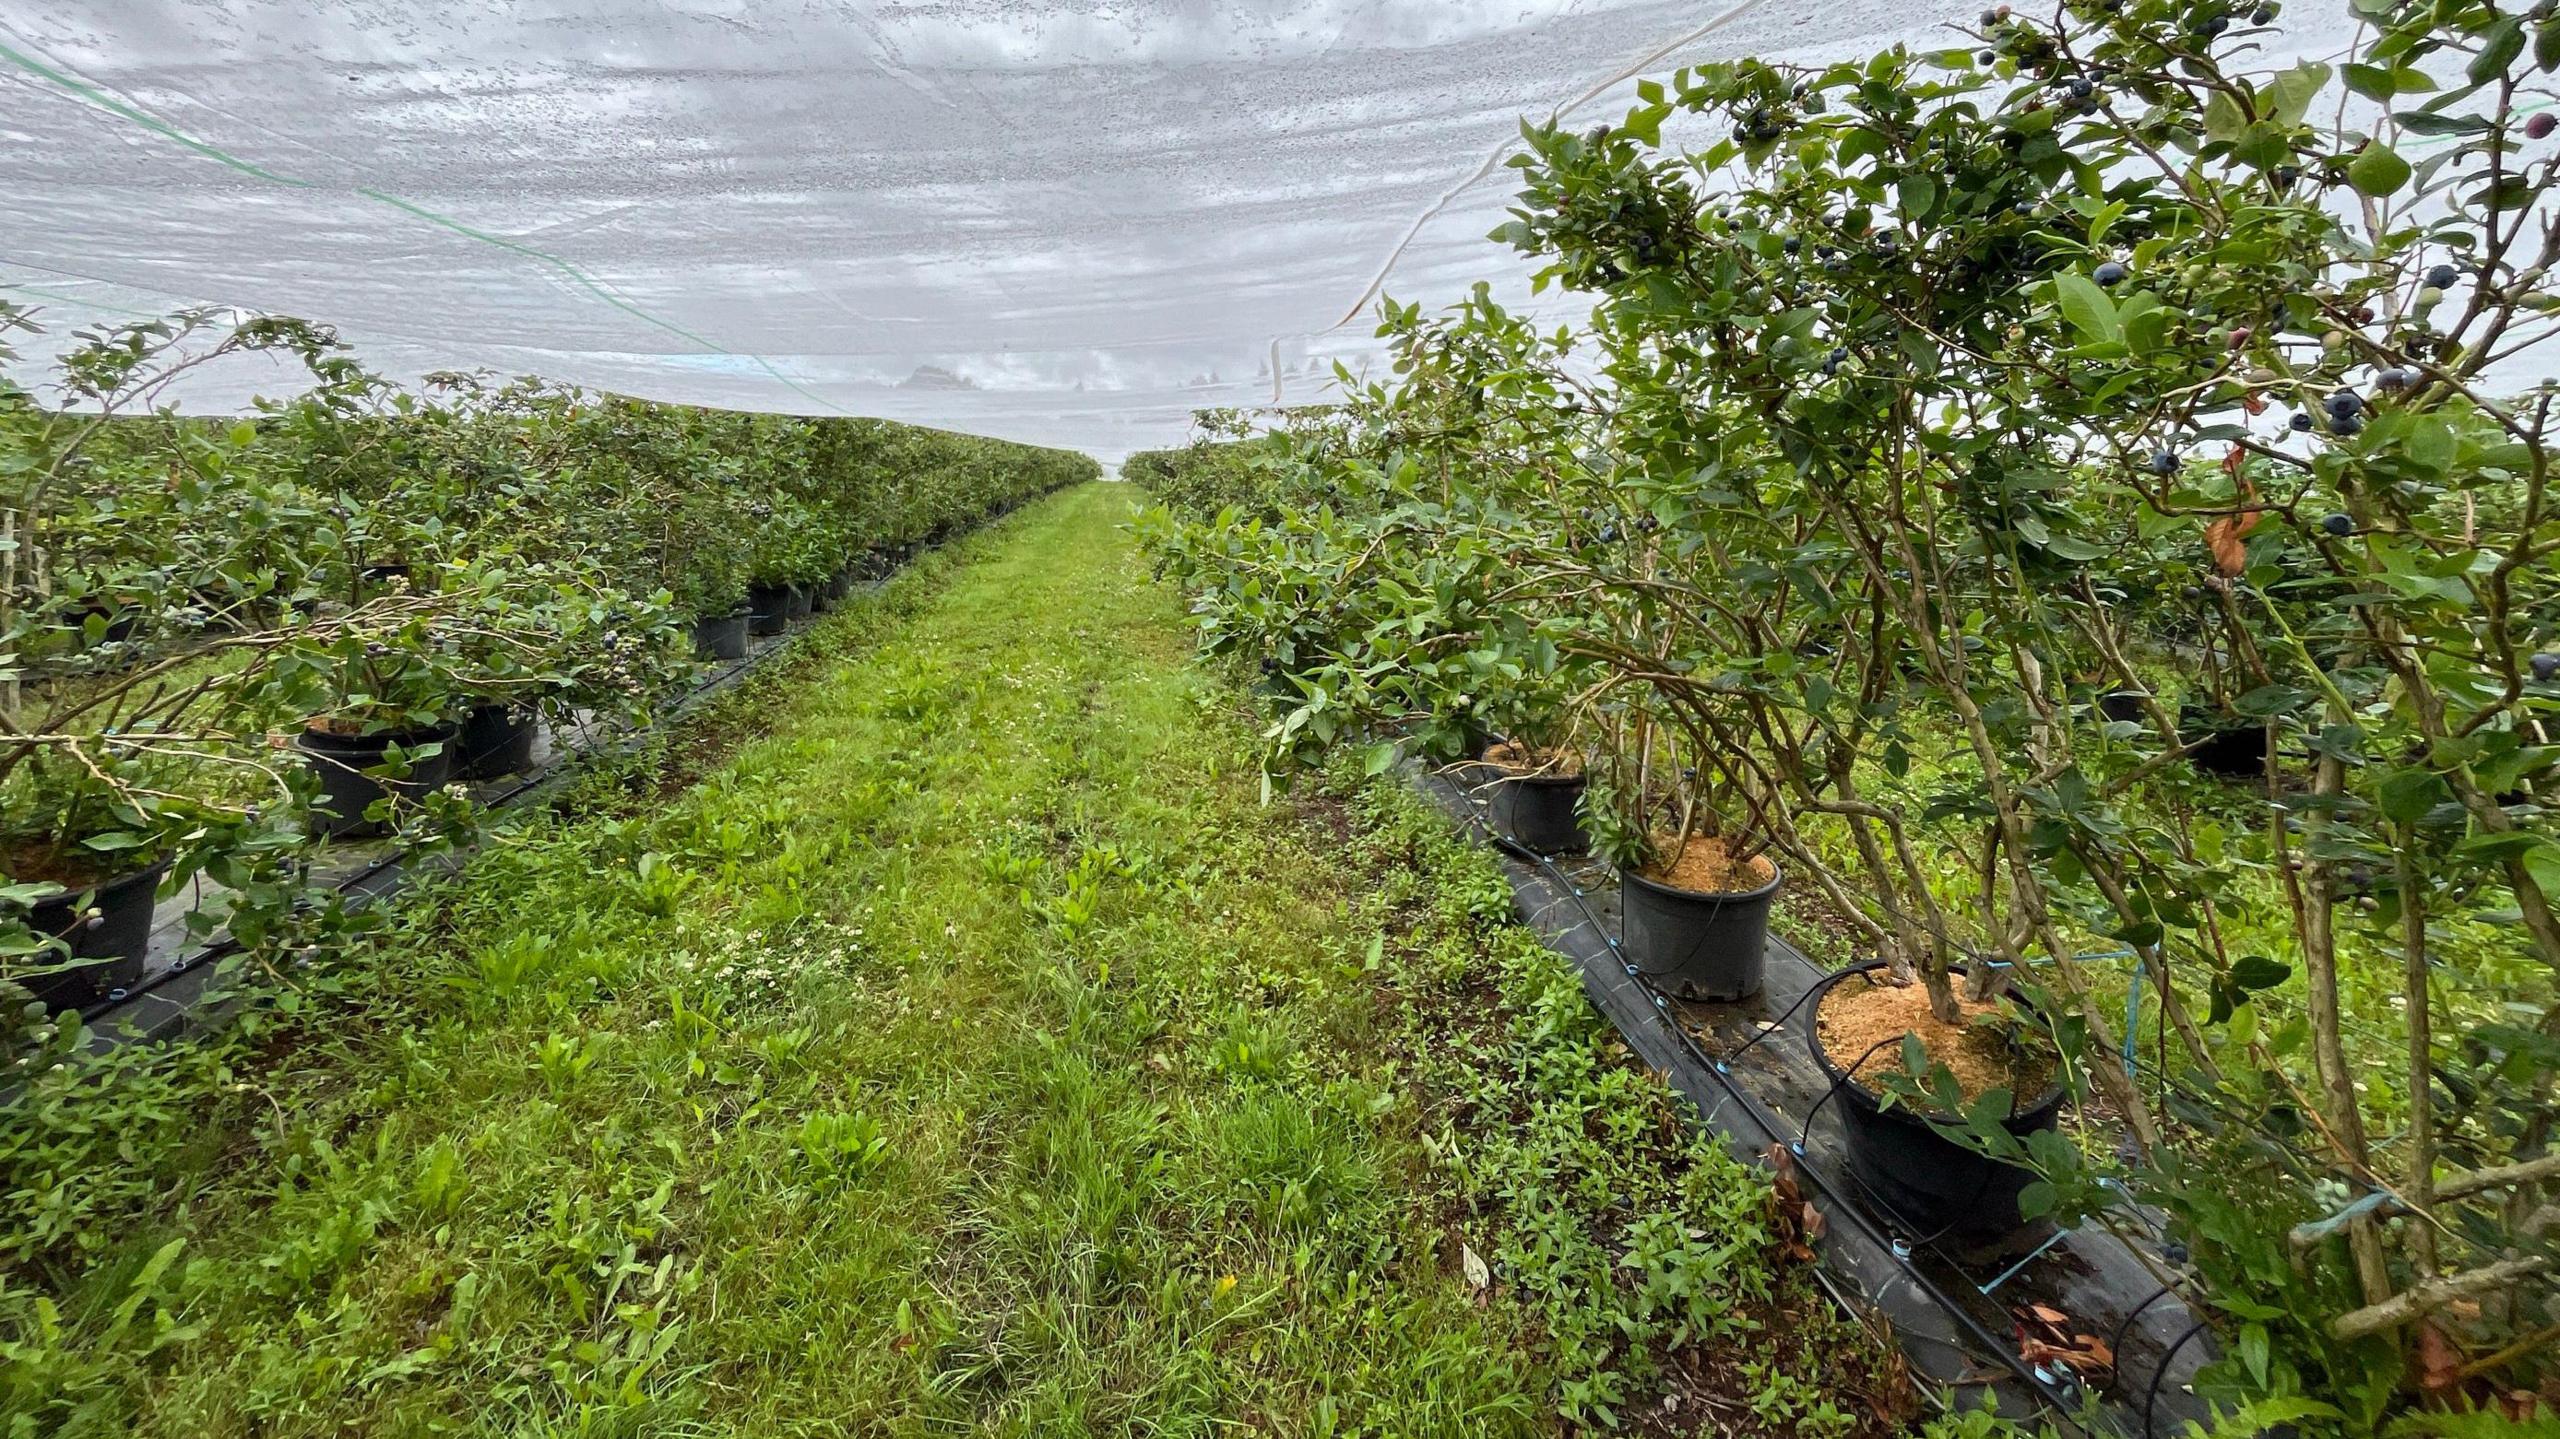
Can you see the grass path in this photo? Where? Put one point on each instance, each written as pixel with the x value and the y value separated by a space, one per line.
pixel 974 1053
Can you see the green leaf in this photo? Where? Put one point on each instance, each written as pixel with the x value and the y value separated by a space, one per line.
pixel 2086 306
pixel 2263 146
pixel 1645 125
pixel 2254 1350
pixel 2268 700
pixel 2377 170
pixel 2542 863
pixel 2430 444
pixel 2371 81
pixel 2405 794
pixel 2428 122
pixel 110 843
pixel 147 1280
pixel 2223 117
pixel 2499 48
pixel 2256 971
pixel 2291 93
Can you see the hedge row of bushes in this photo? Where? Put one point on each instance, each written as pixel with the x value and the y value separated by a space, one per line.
pixel 207 626
pixel 2065 503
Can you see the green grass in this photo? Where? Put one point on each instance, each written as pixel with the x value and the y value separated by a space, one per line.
pixel 973 1051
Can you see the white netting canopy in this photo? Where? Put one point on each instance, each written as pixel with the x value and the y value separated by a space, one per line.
pixel 1066 221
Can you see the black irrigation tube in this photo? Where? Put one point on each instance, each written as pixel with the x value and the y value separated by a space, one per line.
pixel 383 875
pixel 2061 1402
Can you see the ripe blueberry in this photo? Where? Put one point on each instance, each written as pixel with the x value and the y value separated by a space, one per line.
pixel 2302 419
pixel 2110 273
pixel 2341 403
pixel 2546 666
pixel 2443 276
pixel 2339 525
pixel 2164 462
pixel 2345 424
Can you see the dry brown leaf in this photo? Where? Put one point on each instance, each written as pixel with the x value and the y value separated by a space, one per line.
pixel 1797 1222
pixel 2439 1362
pixel 2223 538
pixel 2083 1354
pixel 2086 1356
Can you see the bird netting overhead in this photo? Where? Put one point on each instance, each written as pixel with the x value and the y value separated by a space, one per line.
pixel 1066 221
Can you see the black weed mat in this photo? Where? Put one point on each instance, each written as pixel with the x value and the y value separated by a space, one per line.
pixel 1959 1310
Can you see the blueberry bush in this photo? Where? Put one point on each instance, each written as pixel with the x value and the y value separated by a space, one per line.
pixel 2081 500
pixel 180 597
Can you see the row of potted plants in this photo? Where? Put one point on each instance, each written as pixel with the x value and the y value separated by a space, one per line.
pixel 1698 927
pixel 1972 460
pixel 225 642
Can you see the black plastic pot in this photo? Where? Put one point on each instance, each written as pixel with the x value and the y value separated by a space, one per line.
pixel 1698 946
pixel 721 637
pixel 820 600
pixel 1467 733
pixel 107 948
pixel 120 623
pixel 2218 748
pixel 496 740
pixel 387 578
pixel 2122 706
pixel 346 791
pixel 1934 1184
pixel 1538 812
pixel 795 602
pixel 768 608
pixel 840 584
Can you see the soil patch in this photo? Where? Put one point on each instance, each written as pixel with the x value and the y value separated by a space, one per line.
pixel 1858 1015
pixel 1706 865
pixel 29 862
pixel 1523 759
